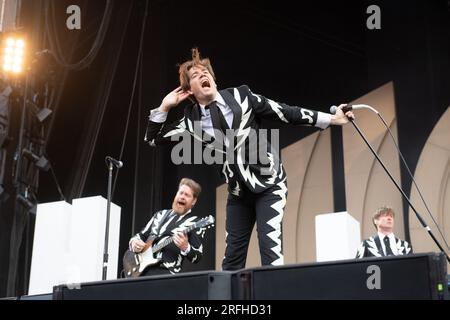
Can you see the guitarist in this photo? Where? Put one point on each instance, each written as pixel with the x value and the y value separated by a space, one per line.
pixel 171 222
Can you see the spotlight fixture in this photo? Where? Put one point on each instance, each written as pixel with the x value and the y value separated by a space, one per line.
pixel 13 55
pixel 40 162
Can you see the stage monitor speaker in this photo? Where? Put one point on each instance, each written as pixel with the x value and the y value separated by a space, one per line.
pixel 419 276
pixel 200 285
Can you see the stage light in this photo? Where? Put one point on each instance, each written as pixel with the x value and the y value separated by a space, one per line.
pixel 40 162
pixel 13 54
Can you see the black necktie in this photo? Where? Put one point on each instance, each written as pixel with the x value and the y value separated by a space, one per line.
pixel 217 118
pixel 387 245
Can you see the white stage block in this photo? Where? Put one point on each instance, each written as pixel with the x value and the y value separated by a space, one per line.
pixel 337 236
pixel 51 241
pixel 69 242
pixel 88 238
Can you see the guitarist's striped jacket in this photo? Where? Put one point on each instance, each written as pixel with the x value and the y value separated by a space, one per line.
pixel 163 224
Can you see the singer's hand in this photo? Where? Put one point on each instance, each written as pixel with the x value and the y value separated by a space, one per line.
pixel 340 118
pixel 173 98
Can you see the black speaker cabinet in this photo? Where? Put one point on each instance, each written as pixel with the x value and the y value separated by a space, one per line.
pixel 186 286
pixel 419 276
pixel 48 296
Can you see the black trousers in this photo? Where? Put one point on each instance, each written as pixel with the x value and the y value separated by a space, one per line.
pixel 266 209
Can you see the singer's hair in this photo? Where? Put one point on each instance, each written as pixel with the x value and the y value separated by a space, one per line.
pixel 195 187
pixel 195 61
pixel 382 211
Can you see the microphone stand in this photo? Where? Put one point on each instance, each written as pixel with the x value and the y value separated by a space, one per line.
pixel 108 211
pixel 422 222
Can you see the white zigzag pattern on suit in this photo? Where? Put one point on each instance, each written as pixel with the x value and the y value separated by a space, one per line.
pixel 246 174
pixel 272 169
pixel 277 108
pixel 373 247
pixel 275 223
pixel 187 223
pixel 244 128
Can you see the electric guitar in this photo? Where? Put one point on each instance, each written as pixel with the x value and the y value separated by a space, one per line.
pixel 135 263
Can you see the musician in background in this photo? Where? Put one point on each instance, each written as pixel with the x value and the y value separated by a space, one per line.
pixel 171 222
pixel 384 243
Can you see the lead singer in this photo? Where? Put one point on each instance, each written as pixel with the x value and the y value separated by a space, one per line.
pixel 257 190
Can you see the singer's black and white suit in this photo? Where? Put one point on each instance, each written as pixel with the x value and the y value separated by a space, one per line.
pixel 257 191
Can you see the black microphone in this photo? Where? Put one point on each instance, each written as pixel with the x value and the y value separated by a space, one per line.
pixel 117 163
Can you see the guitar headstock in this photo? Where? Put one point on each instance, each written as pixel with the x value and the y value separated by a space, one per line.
pixel 204 222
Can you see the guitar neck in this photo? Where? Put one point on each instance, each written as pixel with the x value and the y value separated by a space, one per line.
pixel 169 240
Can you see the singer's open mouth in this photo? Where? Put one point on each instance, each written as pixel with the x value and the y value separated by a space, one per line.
pixel 205 83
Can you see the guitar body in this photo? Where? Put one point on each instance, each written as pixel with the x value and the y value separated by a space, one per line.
pixel 135 264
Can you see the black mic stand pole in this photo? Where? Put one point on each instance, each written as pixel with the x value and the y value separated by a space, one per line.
pixel 424 224
pixel 108 211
